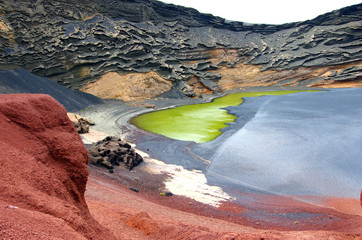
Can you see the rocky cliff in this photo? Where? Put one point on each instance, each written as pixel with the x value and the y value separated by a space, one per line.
pixel 143 41
pixel 43 172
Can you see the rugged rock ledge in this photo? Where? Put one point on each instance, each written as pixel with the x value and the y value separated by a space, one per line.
pixel 43 172
pixel 75 43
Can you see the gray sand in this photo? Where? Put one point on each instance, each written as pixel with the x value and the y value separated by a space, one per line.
pixel 22 81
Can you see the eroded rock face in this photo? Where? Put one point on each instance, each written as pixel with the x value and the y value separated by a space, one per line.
pixel 112 151
pixel 44 167
pixel 75 42
pixel 128 87
pixel 247 75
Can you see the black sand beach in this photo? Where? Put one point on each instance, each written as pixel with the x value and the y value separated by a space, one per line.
pixel 22 81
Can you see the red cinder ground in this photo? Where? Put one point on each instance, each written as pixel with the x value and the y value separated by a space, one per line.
pixel 43 173
pixel 179 217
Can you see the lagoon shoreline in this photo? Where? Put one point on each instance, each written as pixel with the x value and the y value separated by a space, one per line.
pixel 113 119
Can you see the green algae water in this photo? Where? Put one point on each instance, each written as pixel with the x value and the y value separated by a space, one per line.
pixel 197 122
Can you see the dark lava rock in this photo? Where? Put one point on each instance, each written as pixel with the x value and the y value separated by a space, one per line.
pixel 134 189
pixel 81 124
pixel 112 151
pixel 75 42
pixel 350 73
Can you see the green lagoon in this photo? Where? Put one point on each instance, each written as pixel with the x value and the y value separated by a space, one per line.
pixel 197 122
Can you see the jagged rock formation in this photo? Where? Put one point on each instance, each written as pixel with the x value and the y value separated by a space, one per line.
pixel 81 124
pixel 112 151
pixel 43 172
pixel 76 43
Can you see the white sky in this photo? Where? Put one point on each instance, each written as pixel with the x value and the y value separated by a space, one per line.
pixel 265 11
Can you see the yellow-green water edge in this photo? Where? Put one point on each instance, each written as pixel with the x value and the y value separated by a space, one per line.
pixel 197 122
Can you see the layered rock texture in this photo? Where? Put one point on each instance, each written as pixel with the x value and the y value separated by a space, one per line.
pixel 76 43
pixel 43 172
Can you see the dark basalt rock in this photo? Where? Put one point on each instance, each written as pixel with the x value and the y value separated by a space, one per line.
pixel 81 124
pixel 347 74
pixel 75 42
pixel 112 151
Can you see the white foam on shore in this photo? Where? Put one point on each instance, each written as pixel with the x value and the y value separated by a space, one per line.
pixel 183 182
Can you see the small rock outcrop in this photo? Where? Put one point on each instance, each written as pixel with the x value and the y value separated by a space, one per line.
pixel 112 151
pixel 43 172
pixel 81 124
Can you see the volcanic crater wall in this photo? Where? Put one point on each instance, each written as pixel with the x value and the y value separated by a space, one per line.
pixel 75 43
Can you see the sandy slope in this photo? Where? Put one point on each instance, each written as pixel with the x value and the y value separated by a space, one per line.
pixel 131 215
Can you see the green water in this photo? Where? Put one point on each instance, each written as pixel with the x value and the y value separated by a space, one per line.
pixel 197 122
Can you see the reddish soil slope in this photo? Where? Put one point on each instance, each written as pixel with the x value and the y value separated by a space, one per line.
pixel 43 172
pixel 142 215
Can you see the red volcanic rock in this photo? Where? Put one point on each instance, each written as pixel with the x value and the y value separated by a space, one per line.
pixel 43 172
